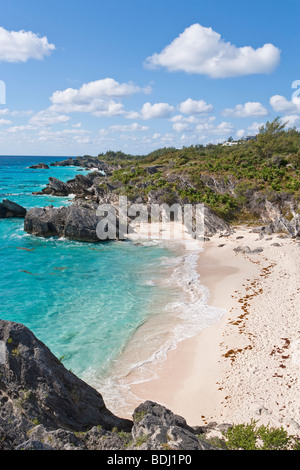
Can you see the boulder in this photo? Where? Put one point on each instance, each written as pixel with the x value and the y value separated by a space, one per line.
pixel 56 187
pixel 36 388
pixel 39 166
pixel 77 222
pixel 157 428
pixel 9 209
pixel 282 225
pixel 87 162
pixel 81 186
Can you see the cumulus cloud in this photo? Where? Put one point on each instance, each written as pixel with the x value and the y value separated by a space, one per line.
pixel 201 50
pixel 97 97
pixel 20 46
pixel 292 120
pixel 134 127
pixel 255 127
pixel 152 111
pixel 222 129
pixel 282 105
pixel 194 107
pixel 5 122
pixel 250 109
pixel 48 118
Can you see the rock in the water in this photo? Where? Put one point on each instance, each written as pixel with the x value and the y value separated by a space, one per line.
pixel 9 209
pixel 56 187
pixel 39 166
pixel 77 222
pixel 81 186
pixel 36 388
pixel 87 162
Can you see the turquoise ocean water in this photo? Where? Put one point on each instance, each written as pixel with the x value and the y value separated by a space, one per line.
pixel 83 300
pixel 104 309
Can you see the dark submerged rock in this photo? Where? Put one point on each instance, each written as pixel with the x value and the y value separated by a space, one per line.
pixel 39 166
pixel 9 209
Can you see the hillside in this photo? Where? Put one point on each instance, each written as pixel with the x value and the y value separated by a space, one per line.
pixel 252 181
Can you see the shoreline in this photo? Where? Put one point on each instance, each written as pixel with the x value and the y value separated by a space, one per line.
pixel 228 372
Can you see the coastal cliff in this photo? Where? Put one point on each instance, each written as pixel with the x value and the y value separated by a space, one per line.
pixel 46 407
pixel 255 183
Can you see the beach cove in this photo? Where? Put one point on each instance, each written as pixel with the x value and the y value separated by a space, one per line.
pixel 246 366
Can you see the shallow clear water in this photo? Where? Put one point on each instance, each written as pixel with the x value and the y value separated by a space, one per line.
pixel 85 301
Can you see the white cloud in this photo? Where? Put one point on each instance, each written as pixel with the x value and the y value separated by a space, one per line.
pixel 222 129
pixel 152 111
pixel 181 118
pixel 22 113
pixel 255 126
pixel 129 128
pixel 5 122
pixel 18 129
pixel 180 126
pixel 97 97
pixel 240 133
pixel 48 118
pixel 195 107
pixel 250 109
pixel 281 104
pixel 20 46
pixel 183 123
pixel 292 120
pixel 201 50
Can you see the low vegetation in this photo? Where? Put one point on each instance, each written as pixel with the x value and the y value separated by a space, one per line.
pixel 223 177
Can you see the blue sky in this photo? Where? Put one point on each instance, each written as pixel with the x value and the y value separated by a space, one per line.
pixel 89 76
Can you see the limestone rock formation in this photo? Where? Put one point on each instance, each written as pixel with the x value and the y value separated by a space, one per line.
pixel 39 166
pixel 46 407
pixel 9 209
pixel 36 388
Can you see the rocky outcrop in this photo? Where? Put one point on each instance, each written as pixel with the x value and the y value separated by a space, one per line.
pixel 282 225
pixel 214 224
pixel 39 166
pixel 86 162
pixel 35 388
pixel 55 187
pixel 76 222
pixel 9 209
pixel 46 407
pixel 81 186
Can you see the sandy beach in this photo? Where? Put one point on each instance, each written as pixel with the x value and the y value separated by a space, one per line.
pixel 247 366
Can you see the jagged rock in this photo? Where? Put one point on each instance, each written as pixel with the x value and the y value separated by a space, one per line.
pixel 55 187
pixel 46 407
pixel 35 388
pixel 9 209
pixel 291 228
pixel 39 166
pixel 81 186
pixel 87 162
pixel 157 428
pixel 76 222
pixel 214 224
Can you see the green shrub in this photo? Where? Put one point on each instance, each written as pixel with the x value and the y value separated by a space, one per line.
pixel 250 437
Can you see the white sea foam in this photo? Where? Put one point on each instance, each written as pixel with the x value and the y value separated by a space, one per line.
pixel 182 318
